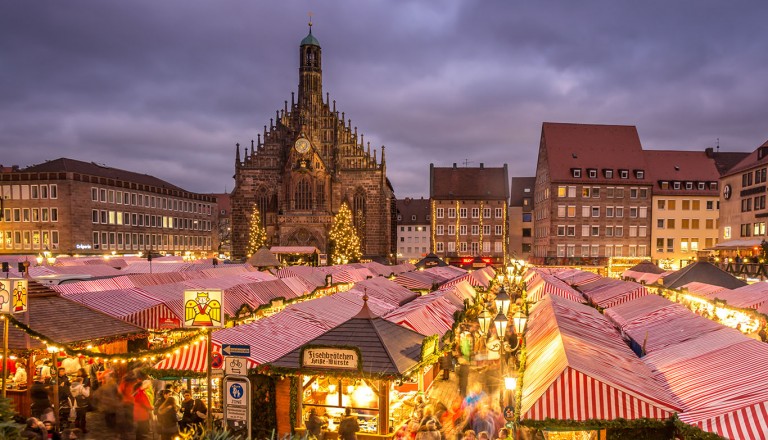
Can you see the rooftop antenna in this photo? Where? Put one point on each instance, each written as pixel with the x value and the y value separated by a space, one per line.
pixel 718 145
pixel 467 162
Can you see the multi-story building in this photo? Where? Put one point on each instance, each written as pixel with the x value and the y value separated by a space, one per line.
pixel 224 225
pixel 469 213
pixel 685 205
pixel 72 207
pixel 521 217
pixel 592 196
pixel 743 212
pixel 413 231
pixel 308 161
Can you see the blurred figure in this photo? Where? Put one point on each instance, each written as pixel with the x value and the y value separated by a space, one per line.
pixel 167 420
pixel 348 427
pixel 34 429
pixel 80 397
pixel 142 409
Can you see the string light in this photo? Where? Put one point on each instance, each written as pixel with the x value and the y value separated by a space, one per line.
pixel 257 238
pixel 343 237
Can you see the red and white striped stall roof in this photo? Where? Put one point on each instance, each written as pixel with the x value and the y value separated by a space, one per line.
pixel 309 274
pixel 462 290
pixel 467 277
pixel 703 290
pixel 192 358
pixel 750 296
pixel 546 284
pixel 429 314
pixel 608 292
pixel 644 277
pixel 576 277
pixel 385 290
pixel 418 280
pixel 129 305
pixel 584 370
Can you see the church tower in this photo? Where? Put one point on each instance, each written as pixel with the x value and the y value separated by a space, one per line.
pixel 306 163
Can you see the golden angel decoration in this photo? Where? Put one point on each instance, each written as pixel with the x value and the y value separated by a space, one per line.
pixel 203 308
pixel 19 296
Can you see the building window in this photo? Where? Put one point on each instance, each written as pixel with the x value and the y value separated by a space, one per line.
pixel 439 212
pixel 561 230
pixel 498 212
pixel 463 212
pixel 642 231
pixel 571 250
pixel 609 231
pixel 487 211
pixel 727 232
pixel 619 193
pixel 633 231
pixel 596 192
pixel 624 174
pixel 608 173
pixel 585 230
pixel 595 211
pixel 571 211
pixel 619 211
pixel 527 218
pixel 498 230
pixel 633 193
pixel 632 212
pixel 609 211
pixel 585 211
pixel 586 191
pixel 439 229
pixel 561 250
pixel 475 230
pixel 486 229
pixel 592 173
pixel 595 231
pixel 439 246
pixel 571 230
pixel 462 229
pixel 562 191
pixel 576 172
pixel 451 230
pixel 561 211
pixel 475 212
pixel 639 174
pixel 619 231
pixel 451 212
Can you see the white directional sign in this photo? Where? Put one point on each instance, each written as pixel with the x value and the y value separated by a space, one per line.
pixel 236 366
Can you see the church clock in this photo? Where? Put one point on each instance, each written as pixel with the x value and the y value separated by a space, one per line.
pixel 302 145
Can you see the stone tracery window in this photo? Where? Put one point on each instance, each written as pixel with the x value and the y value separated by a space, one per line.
pixel 303 195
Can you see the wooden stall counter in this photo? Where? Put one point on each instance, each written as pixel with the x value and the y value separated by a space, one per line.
pixel 333 435
pixel 20 401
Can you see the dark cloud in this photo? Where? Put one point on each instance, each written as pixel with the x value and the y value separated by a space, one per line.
pixel 167 88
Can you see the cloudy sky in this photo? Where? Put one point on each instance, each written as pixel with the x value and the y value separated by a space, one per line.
pixel 168 87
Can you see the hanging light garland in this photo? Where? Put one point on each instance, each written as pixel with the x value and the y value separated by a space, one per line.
pixel 148 355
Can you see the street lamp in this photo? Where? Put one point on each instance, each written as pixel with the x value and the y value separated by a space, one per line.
pixel 502 301
pixel 484 319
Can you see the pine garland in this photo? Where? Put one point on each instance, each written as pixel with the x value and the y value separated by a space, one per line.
pixel 144 355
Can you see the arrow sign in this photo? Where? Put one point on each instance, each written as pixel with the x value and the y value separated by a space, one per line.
pixel 236 350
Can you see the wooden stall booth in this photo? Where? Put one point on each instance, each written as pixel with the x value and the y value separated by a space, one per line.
pixel 53 318
pixel 360 364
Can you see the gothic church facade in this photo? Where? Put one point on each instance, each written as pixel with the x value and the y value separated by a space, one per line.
pixel 309 161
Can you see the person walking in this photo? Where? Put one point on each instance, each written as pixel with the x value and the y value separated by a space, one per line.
pixel 80 398
pixel 348 427
pixel 167 420
pixel 142 409
pixel 315 425
pixel 193 413
pixel 39 396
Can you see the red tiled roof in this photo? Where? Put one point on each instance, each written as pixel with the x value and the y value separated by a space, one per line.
pixel 409 207
pixel 750 161
pixel 682 166
pixel 482 183
pixel 585 146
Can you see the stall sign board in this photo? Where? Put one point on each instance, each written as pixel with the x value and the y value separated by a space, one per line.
pixel 330 357
pixel 13 295
pixel 236 350
pixel 203 308
pixel 169 323
pixel 236 366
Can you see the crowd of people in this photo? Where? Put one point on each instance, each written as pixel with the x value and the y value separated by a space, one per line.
pixel 133 405
pixel 474 417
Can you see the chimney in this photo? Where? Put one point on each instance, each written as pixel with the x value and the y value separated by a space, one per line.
pixel 454 164
pixel 709 151
pixel 482 165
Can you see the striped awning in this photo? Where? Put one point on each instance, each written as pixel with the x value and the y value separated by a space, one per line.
pixel 549 285
pixel 193 358
pixel 583 369
pixel 607 292
pixel 703 290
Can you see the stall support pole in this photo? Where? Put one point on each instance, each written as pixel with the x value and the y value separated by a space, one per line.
pixel 384 407
pixel 55 371
pixel 5 352
pixel 208 416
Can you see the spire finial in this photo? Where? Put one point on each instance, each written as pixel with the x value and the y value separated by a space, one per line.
pixel 310 21
pixel 365 296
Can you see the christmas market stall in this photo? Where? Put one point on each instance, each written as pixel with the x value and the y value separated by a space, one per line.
pixel 608 292
pixel 717 373
pixel 544 284
pixel 357 364
pixel 580 378
pixel 72 334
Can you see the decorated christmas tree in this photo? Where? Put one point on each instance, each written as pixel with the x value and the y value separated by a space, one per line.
pixel 343 239
pixel 258 233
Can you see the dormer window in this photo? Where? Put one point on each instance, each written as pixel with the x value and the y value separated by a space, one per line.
pixel 676 185
pixel 702 185
pixel 413 218
pixel 608 173
pixel 688 185
pixel 639 174
pixel 399 218
pixel 712 185
pixel 592 173
pixel 576 172
pixel 624 174
pixel 664 184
